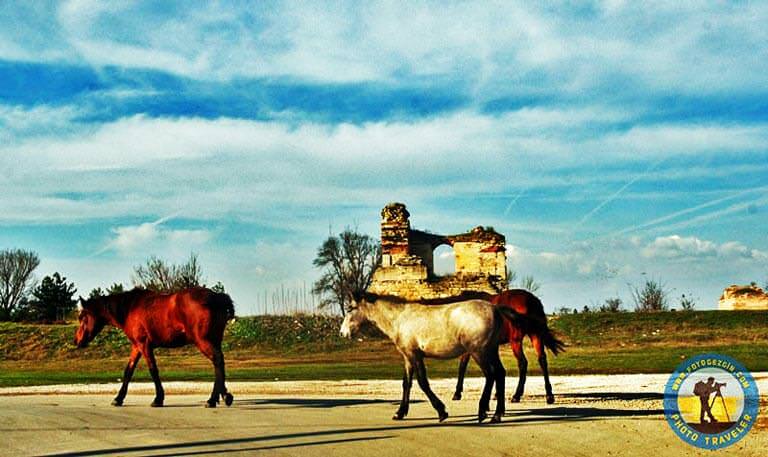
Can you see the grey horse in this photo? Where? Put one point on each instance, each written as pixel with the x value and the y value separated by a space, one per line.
pixel 440 331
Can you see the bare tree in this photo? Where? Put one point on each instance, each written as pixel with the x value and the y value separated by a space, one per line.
pixel 527 282
pixel 348 261
pixel 653 296
pixel 16 281
pixel 161 276
pixel 530 284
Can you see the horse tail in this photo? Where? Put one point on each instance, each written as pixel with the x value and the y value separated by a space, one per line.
pixel 549 340
pixel 537 326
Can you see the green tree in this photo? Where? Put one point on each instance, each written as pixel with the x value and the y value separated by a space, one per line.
pixel 348 262
pixel 16 280
pixel 96 292
pixel 115 288
pixel 52 298
pixel 160 276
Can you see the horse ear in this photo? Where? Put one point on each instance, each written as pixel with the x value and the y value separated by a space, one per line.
pixel 80 302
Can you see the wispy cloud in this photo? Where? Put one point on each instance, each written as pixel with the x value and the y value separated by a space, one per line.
pixel 687 211
pixel 143 239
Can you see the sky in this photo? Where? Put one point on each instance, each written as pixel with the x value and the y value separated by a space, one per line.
pixel 611 142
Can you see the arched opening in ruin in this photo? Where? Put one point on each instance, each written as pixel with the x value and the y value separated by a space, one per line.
pixel 444 259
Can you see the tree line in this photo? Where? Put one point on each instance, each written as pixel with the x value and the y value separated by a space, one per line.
pixel 52 299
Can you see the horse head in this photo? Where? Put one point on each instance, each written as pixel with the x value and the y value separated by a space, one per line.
pixel 353 320
pixel 91 322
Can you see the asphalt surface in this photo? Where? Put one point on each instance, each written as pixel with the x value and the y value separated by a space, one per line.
pixel 597 415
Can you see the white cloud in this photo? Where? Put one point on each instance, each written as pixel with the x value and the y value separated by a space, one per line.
pixel 18 123
pixel 150 238
pixel 588 272
pixel 685 47
pixel 148 166
pixel 676 246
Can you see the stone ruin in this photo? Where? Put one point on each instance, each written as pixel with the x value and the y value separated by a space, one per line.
pixel 743 297
pixel 407 264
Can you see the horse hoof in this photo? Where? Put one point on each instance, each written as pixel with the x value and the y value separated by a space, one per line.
pixel 441 416
pixel 481 417
pixel 228 399
pixel 515 399
pixel 156 404
pixel 456 396
pixel 211 403
pixel 117 402
pixel 550 399
pixel 495 419
pixel 398 417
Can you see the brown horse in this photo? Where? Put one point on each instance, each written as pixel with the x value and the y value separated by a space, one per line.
pixel 534 326
pixel 150 320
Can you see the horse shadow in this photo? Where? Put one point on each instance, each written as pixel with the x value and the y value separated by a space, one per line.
pixel 288 403
pixel 285 403
pixel 620 396
pixel 544 415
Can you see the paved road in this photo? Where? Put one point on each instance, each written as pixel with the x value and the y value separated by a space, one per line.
pixel 595 416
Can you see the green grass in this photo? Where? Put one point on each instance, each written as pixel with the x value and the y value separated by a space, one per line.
pixel 308 347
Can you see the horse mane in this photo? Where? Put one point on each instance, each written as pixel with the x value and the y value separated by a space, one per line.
pixel 117 305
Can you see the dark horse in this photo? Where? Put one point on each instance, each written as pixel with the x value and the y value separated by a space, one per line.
pixel 534 326
pixel 150 320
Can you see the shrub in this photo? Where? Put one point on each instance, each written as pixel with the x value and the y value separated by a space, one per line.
pixel 611 305
pixel 687 303
pixel 651 297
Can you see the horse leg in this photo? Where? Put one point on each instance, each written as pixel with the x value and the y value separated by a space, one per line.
pixel 218 361
pixel 421 376
pixel 485 397
pixel 500 376
pixel 463 362
pixel 214 354
pixel 127 375
pixel 152 363
pixel 542 353
pixel 522 366
pixel 402 411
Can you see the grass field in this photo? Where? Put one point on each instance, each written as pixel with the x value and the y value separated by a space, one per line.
pixel 308 347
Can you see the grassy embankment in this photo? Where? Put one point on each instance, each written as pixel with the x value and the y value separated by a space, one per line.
pixel 308 347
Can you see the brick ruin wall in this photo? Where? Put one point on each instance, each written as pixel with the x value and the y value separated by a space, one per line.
pixel 407 267
pixel 743 298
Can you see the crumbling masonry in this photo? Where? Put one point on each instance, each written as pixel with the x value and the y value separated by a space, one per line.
pixel 407 265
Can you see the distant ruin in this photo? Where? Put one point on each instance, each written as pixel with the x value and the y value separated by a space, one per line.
pixel 407 264
pixel 743 297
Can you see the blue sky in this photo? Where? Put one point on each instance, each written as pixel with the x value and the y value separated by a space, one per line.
pixel 609 142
